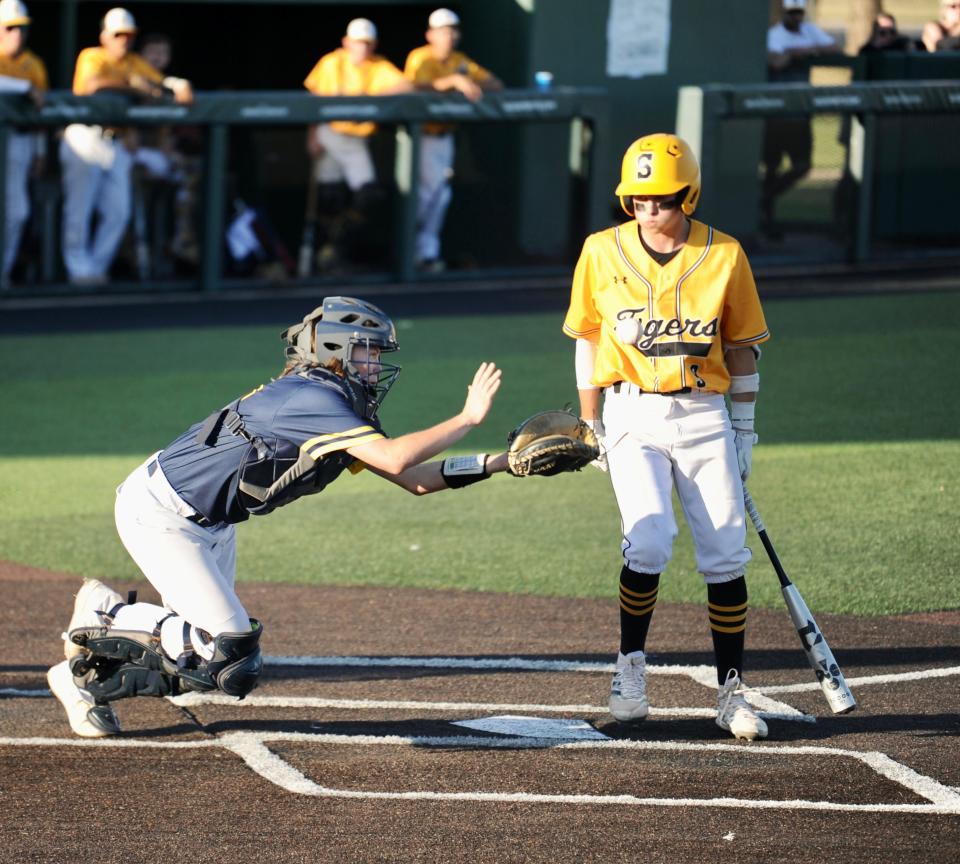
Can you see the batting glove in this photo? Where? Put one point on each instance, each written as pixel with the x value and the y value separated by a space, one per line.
pixel 601 461
pixel 741 418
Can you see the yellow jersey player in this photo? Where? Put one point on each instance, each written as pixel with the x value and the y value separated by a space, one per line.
pixel 340 149
pixel 21 71
pixel 667 320
pixel 95 164
pixel 439 66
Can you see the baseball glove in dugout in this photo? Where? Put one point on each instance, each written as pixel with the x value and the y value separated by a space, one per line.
pixel 549 443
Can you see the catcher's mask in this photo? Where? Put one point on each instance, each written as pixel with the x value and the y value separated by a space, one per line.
pixel 659 164
pixel 339 329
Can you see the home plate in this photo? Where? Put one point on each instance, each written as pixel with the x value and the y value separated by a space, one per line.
pixel 568 729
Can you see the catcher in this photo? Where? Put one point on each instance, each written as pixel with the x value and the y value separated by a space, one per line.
pixel 177 513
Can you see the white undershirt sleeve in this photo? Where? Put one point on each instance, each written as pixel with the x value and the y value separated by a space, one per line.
pixel 585 358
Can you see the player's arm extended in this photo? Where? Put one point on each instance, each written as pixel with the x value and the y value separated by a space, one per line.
pixel 429 477
pixel 391 457
pixel 741 362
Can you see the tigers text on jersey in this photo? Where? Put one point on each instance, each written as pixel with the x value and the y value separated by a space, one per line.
pixel 27 66
pixel 93 63
pixel 336 75
pixel 423 68
pixel 689 309
pixel 306 413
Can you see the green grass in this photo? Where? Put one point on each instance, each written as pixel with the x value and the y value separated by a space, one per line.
pixel 856 475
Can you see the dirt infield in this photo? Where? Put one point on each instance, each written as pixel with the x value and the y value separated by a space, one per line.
pixel 354 749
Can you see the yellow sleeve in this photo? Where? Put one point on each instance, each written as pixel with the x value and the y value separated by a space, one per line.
pixel 583 320
pixel 413 64
pixel 476 72
pixel 743 320
pixel 385 76
pixel 140 66
pixel 89 66
pixel 40 79
pixel 314 82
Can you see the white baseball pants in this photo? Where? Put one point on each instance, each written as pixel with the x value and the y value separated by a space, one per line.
pixel 433 193
pixel 96 176
pixel 657 443
pixel 20 152
pixel 345 158
pixel 192 568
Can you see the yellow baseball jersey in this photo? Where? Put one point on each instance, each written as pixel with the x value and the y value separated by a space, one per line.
pixel 96 63
pixel 28 66
pixel 423 68
pixel 689 310
pixel 335 75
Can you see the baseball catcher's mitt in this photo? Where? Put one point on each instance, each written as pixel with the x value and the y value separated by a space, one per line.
pixel 550 442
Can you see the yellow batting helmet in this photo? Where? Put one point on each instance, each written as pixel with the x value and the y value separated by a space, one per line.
pixel 659 164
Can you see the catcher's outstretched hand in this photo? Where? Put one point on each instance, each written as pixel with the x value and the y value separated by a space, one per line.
pixel 480 393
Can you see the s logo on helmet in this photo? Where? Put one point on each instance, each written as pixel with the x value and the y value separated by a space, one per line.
pixel 644 165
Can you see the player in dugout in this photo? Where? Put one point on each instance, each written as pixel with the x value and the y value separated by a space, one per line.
pixel 340 150
pixel 96 160
pixel 666 318
pixel 177 513
pixel 21 71
pixel 438 66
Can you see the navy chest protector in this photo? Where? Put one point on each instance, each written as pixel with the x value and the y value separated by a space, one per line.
pixel 273 471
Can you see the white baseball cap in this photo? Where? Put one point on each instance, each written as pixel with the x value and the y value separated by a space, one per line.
pixel 443 18
pixel 119 20
pixel 362 29
pixel 13 14
pixel 795 4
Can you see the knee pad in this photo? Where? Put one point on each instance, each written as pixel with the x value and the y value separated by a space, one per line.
pixel 235 667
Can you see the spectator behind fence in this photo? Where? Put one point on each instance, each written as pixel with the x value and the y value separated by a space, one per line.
pixel 339 150
pixel 172 156
pixel 949 27
pixel 790 46
pixel 884 36
pixel 96 160
pixel 21 71
pixel 438 66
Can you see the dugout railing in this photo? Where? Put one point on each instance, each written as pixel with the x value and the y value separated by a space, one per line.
pixel 893 197
pixel 580 108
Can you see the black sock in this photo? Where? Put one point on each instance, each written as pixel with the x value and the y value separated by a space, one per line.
pixel 638 596
pixel 727 607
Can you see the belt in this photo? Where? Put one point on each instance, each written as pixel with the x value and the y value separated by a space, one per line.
pixel 633 388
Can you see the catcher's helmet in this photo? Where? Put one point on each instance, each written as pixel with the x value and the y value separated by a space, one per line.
pixel 331 331
pixel 659 164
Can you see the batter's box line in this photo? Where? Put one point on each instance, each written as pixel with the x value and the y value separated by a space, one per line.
pixel 252 748
pixel 198 699
pixel 702 674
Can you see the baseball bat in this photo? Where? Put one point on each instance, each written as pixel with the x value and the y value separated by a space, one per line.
pixel 307 242
pixel 819 656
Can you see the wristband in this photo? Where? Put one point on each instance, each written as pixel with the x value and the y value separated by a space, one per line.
pixel 460 471
pixel 742 415
pixel 745 383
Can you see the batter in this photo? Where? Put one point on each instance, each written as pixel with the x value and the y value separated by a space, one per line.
pixel 666 318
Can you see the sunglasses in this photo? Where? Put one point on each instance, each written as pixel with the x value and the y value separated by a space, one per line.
pixel 663 202
pixel 886 31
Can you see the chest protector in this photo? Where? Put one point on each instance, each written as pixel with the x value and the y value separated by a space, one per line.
pixel 273 471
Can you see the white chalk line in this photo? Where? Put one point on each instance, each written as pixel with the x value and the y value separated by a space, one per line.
pixel 701 674
pixel 197 699
pixel 252 748
pixel 889 678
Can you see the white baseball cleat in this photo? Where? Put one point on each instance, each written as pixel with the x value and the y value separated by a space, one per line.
pixel 86 718
pixel 734 714
pixel 628 690
pixel 92 599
